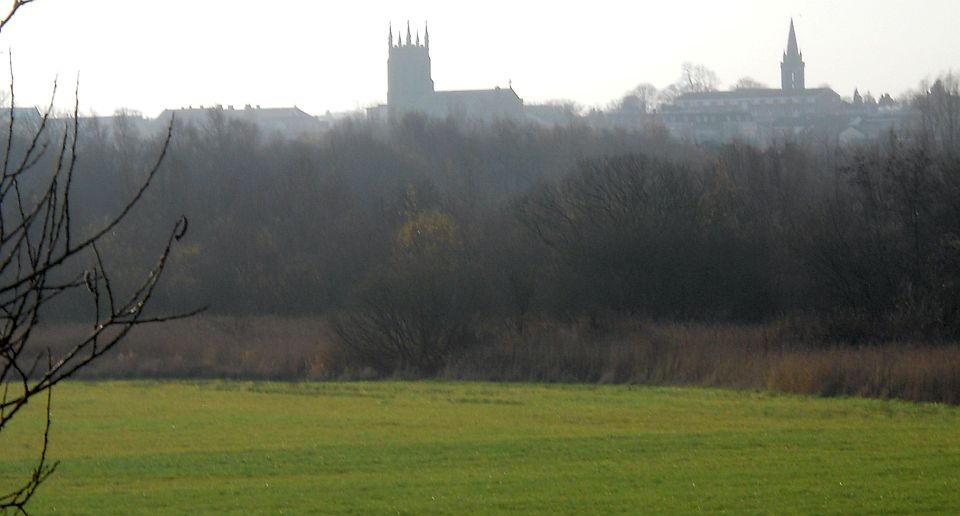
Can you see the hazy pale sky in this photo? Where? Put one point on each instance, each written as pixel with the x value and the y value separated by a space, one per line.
pixel 152 54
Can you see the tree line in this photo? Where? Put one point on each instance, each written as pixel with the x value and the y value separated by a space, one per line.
pixel 417 238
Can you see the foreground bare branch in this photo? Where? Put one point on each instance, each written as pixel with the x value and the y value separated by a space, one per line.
pixel 39 247
pixel 17 4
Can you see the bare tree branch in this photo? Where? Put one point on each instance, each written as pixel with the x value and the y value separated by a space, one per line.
pixel 38 249
pixel 17 4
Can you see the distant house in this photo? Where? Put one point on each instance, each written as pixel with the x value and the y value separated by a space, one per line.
pixel 286 122
pixel 26 120
pixel 749 114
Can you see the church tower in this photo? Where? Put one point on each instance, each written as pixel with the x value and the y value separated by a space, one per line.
pixel 409 83
pixel 792 67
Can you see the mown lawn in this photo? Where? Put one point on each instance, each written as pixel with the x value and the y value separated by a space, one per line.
pixel 455 448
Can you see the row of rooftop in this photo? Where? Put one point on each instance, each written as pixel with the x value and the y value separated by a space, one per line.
pixel 751 114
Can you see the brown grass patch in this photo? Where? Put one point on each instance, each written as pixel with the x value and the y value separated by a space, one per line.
pixel 211 347
pixel 762 357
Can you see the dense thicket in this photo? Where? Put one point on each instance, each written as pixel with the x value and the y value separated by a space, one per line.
pixel 420 237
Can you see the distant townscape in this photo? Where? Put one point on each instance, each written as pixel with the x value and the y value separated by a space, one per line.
pixel 697 113
pixel 692 110
pixel 764 114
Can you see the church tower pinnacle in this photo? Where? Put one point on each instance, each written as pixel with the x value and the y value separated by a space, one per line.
pixel 792 69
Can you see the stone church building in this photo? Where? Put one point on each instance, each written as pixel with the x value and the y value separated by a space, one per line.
pixel 410 87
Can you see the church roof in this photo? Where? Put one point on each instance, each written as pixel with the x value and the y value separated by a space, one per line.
pixel 494 93
pixel 496 102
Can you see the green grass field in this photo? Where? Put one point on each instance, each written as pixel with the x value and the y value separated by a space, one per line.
pixel 427 448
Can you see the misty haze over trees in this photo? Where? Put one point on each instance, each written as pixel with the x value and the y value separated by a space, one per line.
pixel 426 238
pixel 429 245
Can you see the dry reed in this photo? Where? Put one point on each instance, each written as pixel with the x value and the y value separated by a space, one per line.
pixel 762 357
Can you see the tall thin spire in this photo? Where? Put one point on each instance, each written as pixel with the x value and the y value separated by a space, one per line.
pixel 793 50
pixel 426 35
pixel 409 39
pixel 792 69
pixel 418 38
pixel 390 38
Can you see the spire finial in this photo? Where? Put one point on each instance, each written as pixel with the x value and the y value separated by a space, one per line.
pixel 426 35
pixel 418 38
pixel 409 39
pixel 390 37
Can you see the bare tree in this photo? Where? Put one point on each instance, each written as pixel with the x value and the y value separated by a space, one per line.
pixel 697 78
pixel 694 78
pixel 17 4
pixel 44 256
pixel 410 315
pixel 939 108
pixel 749 83
pixel 640 99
